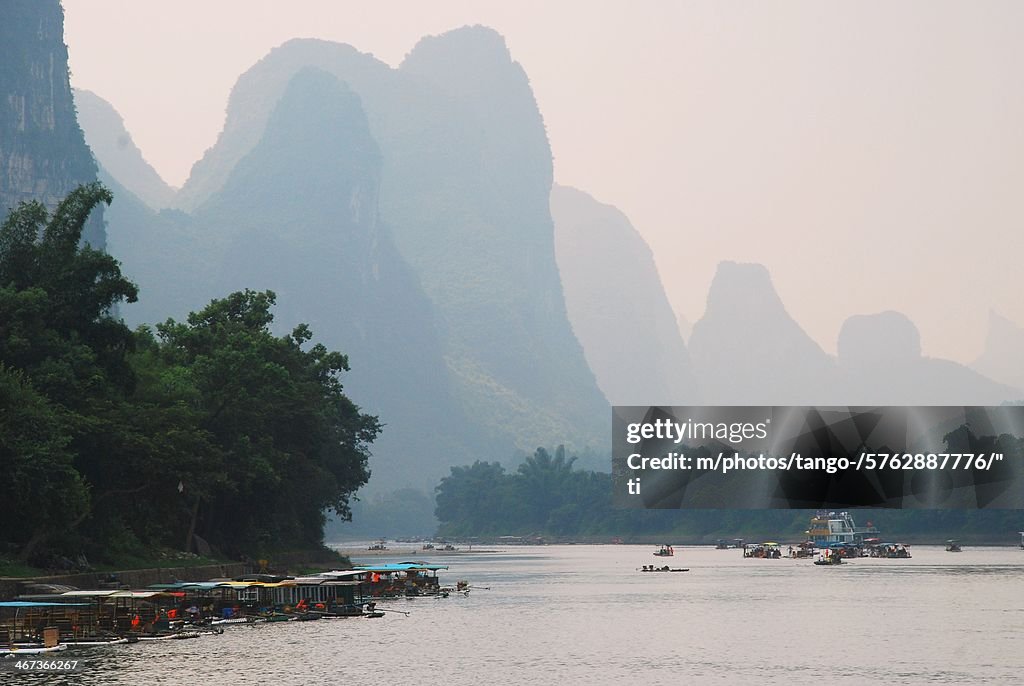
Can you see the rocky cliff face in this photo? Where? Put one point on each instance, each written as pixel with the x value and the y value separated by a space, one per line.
pixel 43 155
pixel 748 350
pixel 617 304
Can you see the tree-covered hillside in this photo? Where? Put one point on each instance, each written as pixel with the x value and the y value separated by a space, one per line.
pixel 209 435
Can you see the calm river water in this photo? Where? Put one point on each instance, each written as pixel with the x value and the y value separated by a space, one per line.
pixel 584 614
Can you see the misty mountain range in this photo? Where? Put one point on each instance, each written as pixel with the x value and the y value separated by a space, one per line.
pixel 409 216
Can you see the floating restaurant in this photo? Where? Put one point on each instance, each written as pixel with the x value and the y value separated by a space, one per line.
pixel 395 579
pixel 52 621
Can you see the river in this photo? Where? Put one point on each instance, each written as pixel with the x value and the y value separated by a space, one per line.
pixel 584 614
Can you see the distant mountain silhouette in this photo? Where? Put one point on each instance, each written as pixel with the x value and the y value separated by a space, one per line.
pixel 257 92
pixel 881 363
pixel 465 182
pixel 617 304
pixel 1003 357
pixel 747 350
pixel 299 215
pixel 43 155
pixel 116 152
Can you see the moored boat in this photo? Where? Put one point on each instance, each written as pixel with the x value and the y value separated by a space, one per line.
pixel 829 528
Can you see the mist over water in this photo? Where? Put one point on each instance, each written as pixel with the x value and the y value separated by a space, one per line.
pixel 584 614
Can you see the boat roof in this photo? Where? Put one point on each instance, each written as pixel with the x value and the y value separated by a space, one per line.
pixel 400 567
pixel 343 573
pixel 32 603
pixel 319 581
pixel 90 594
pixel 114 594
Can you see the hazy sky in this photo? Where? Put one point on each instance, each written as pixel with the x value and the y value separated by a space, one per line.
pixel 870 154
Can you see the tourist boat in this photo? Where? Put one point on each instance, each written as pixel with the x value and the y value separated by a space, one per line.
pixel 952 546
pixel 829 561
pixel 726 544
pixel 393 579
pixel 827 528
pixel 29 626
pixel 891 551
pixel 763 551
pixel 378 546
pixel 664 551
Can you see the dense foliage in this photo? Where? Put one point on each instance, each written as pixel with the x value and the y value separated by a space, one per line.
pixel 207 434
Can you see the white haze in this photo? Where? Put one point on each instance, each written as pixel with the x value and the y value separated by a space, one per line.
pixel 869 154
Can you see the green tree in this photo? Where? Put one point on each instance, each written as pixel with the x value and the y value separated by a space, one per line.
pixel 291 444
pixel 473 499
pixel 543 482
pixel 56 329
pixel 41 492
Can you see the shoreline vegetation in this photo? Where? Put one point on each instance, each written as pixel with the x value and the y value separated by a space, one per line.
pixel 547 498
pixel 212 436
